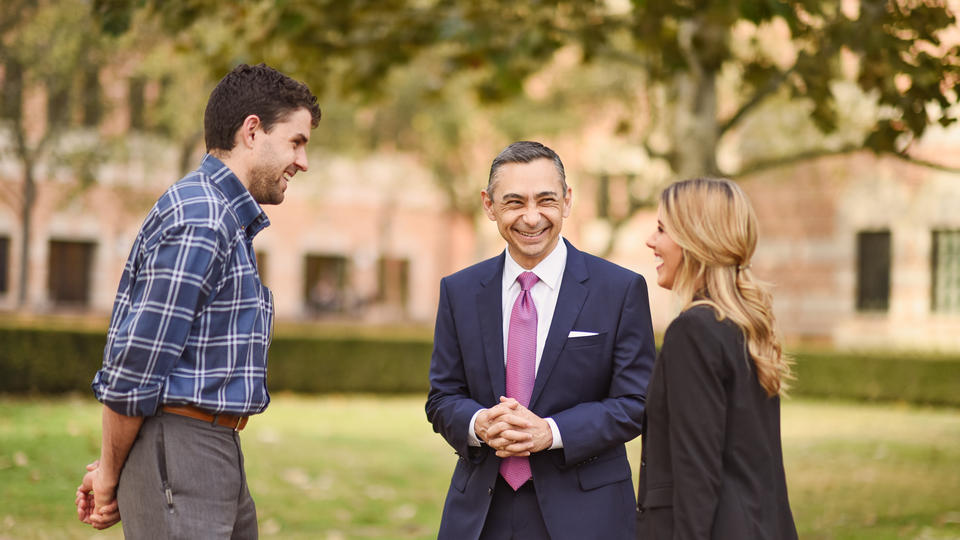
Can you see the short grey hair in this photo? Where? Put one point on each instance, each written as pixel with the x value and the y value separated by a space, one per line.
pixel 525 152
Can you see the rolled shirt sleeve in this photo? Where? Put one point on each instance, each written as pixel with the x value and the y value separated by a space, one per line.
pixel 192 321
pixel 155 309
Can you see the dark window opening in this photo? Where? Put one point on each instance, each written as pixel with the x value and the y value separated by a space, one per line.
pixel 945 271
pixel 873 271
pixel 325 286
pixel 4 264
pixel 70 272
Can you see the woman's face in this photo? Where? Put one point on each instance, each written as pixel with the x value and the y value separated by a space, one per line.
pixel 667 252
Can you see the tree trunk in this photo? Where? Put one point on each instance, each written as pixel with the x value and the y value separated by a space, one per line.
pixel 695 125
pixel 26 221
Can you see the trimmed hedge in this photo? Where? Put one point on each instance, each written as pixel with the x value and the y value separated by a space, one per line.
pixel 48 361
pixel 348 365
pixel 56 361
pixel 879 376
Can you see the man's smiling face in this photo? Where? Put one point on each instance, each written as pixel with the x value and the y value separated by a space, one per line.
pixel 279 154
pixel 529 204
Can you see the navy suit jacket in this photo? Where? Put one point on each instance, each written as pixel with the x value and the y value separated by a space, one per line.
pixel 593 387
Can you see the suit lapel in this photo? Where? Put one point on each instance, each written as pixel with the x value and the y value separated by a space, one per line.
pixel 573 293
pixel 490 314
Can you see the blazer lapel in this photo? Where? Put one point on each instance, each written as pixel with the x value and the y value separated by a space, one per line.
pixel 490 314
pixel 573 293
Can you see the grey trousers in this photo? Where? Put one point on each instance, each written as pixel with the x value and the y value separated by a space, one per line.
pixel 184 479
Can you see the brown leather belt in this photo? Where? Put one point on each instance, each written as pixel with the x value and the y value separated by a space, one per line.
pixel 231 421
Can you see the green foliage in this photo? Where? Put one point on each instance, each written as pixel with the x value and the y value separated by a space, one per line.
pixel 348 365
pixel 54 361
pixel 48 361
pixel 699 71
pixel 879 376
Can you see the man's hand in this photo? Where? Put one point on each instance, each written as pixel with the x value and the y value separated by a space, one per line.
pixel 84 499
pixel 513 430
pixel 97 493
pixel 488 418
pixel 96 498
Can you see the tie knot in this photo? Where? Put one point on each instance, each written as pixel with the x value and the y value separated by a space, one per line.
pixel 527 280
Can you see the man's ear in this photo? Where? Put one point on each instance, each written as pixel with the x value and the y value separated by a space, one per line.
pixel 567 202
pixel 248 130
pixel 487 201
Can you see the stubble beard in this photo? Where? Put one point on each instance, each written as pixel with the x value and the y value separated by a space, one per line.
pixel 265 185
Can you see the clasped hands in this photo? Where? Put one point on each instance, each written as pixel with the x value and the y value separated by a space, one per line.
pixel 96 502
pixel 512 429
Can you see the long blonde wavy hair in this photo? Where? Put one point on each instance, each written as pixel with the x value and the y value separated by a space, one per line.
pixel 715 226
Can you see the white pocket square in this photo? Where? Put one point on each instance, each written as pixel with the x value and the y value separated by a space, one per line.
pixel 578 333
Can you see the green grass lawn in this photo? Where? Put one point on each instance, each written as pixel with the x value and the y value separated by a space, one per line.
pixel 371 467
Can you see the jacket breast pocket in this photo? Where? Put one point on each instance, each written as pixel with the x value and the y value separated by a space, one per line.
pixel 602 472
pixel 585 341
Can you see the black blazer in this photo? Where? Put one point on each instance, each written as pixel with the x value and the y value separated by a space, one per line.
pixel 712 463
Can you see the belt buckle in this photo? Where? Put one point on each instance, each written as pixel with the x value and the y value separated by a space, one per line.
pixel 236 428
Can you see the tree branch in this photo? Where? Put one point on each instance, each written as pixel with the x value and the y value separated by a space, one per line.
pixel 926 163
pixel 766 164
pixel 772 86
pixel 685 33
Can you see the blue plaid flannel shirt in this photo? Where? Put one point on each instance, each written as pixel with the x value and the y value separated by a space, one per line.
pixel 192 322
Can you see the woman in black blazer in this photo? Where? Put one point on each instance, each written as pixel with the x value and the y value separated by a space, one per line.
pixel 712 464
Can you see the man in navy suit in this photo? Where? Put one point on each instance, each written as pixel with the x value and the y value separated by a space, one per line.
pixel 547 460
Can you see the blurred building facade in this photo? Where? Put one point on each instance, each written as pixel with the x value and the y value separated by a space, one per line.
pixel 864 251
pixel 351 242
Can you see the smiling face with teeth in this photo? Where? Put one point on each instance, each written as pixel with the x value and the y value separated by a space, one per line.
pixel 668 254
pixel 278 154
pixel 529 204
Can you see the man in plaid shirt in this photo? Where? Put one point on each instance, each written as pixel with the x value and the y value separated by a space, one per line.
pixel 186 358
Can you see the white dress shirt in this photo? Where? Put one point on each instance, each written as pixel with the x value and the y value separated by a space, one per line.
pixel 545 293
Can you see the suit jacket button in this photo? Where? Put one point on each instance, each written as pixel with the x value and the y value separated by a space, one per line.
pixel 489 491
pixel 643 463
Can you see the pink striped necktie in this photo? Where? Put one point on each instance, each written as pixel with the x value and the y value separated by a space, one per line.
pixel 521 368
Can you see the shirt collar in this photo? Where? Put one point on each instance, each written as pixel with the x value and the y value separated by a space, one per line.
pixel 252 218
pixel 549 270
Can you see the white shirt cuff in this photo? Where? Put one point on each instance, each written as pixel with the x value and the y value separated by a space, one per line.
pixel 472 439
pixel 557 441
